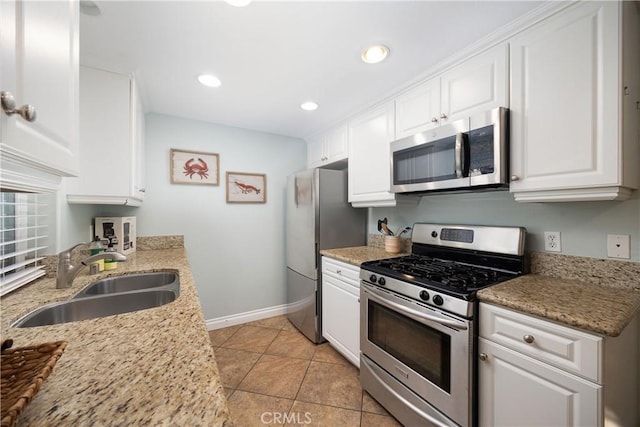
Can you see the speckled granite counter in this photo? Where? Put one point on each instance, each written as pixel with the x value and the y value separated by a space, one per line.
pixel 358 254
pixel 151 367
pixel 600 296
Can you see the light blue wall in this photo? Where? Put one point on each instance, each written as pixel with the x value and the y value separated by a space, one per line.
pixel 584 225
pixel 236 251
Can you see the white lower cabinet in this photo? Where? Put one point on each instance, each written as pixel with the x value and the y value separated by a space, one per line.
pixel 533 372
pixel 341 307
pixel 517 390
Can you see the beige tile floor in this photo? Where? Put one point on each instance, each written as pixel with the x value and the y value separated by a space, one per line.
pixel 274 376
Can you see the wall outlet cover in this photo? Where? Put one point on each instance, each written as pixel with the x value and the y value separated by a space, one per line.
pixel 618 246
pixel 552 241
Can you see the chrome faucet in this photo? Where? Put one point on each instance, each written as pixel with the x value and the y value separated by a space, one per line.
pixel 67 272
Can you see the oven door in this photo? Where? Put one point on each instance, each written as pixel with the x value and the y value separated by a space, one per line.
pixel 428 351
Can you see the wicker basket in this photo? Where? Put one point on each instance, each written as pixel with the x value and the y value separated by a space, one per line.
pixel 24 369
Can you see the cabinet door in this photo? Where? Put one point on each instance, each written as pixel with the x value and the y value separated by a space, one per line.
pixel 515 390
pixel 418 109
pixel 341 317
pixel 479 84
pixel 315 152
pixel 336 147
pixel 370 136
pixel 565 110
pixel 108 149
pixel 138 140
pixel 39 66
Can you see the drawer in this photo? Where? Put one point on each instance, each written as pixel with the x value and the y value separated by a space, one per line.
pixel 561 346
pixel 347 272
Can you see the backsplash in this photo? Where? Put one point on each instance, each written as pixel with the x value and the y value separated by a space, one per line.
pixel 143 243
pixel 605 272
pixel 377 241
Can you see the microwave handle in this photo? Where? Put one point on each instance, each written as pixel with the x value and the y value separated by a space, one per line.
pixel 462 167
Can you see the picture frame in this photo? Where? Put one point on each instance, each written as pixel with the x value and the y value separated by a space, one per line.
pixel 245 187
pixel 194 167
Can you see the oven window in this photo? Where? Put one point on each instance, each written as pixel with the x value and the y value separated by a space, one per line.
pixel 425 350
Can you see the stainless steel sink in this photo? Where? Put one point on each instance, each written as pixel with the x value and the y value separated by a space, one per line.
pixel 97 306
pixel 132 282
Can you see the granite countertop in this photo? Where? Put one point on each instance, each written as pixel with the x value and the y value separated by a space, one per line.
pixel 358 254
pixel 603 301
pixel 150 367
pixel 592 307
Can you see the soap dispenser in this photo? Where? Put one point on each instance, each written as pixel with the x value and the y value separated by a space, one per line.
pixel 95 248
pixel 110 263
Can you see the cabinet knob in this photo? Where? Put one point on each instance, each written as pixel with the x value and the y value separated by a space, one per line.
pixel 142 190
pixel 443 116
pixel 27 112
pixel 515 178
pixel 434 119
pixel 483 356
pixel 339 271
pixel 528 339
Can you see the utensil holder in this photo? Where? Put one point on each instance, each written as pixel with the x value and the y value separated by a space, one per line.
pixel 392 244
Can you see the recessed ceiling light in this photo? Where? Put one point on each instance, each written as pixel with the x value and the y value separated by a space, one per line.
pixel 238 3
pixel 375 54
pixel 309 106
pixel 209 80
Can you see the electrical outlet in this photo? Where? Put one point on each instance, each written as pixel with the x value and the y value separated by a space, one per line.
pixel 552 241
pixel 618 246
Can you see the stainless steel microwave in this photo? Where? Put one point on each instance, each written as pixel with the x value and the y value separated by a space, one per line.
pixel 465 154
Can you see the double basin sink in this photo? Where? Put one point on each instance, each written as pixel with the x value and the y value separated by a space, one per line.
pixel 107 297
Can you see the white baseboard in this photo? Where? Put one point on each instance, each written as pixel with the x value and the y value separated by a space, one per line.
pixel 249 316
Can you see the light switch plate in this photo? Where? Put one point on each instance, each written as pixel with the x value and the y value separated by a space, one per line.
pixel 618 246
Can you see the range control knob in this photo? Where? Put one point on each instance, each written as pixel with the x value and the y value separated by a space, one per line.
pixel 381 281
pixel 437 300
pixel 373 278
pixel 424 295
pixel 434 234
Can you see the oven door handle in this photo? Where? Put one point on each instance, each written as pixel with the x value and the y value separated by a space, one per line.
pixel 415 314
pixel 383 383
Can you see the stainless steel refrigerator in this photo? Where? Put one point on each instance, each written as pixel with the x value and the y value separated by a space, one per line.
pixel 318 217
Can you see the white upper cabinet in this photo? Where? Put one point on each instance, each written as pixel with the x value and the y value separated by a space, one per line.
pixel 418 109
pixel 478 84
pixel 328 148
pixel 112 141
pixel 370 136
pixel 574 116
pixel 39 66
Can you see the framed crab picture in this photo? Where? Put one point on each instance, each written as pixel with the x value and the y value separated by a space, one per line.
pixel 194 167
pixel 246 187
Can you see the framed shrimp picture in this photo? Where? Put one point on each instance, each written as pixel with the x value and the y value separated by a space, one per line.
pixel 246 187
pixel 194 167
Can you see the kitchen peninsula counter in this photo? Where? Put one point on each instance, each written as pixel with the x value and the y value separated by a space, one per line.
pixel 150 367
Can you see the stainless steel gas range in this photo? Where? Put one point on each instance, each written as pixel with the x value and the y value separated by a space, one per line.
pixel 418 322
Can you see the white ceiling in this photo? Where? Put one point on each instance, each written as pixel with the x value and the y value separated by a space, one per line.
pixel 272 56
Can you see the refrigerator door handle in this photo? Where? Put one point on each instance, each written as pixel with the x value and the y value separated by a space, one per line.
pixel 316 257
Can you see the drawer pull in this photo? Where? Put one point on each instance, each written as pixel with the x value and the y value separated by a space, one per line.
pixel 483 356
pixel 339 271
pixel 528 339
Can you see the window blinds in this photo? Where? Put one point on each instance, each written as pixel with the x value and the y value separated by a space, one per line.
pixel 24 235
